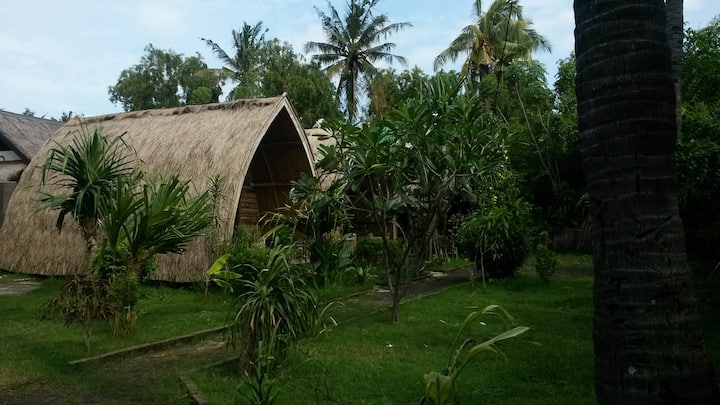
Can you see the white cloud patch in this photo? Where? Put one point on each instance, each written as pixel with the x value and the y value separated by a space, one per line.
pixel 161 19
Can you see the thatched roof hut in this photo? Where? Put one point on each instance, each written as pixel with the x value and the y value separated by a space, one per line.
pixel 256 146
pixel 21 137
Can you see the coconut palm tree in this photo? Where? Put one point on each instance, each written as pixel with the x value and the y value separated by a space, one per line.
pixel 497 38
pixel 354 44
pixel 244 66
pixel 649 344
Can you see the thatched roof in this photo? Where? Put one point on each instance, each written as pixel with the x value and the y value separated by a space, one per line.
pixel 317 137
pixel 10 171
pixel 25 135
pixel 255 145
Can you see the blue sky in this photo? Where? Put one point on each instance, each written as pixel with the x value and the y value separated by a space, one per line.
pixel 59 56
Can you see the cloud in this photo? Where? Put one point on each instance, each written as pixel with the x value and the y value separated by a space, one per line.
pixel 161 18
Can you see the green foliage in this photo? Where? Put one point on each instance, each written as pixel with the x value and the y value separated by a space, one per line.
pixel 408 168
pixel 388 89
pixel 318 216
pixel 84 299
pixel 440 387
pixel 154 82
pixel 273 309
pixel 496 236
pixel 146 218
pixel 139 218
pixel 698 150
pixel 89 169
pixel 354 44
pixel 496 38
pixel 262 389
pixel 268 68
pixel 701 64
pixel 309 89
pixel 244 66
pixel 545 259
pixel 369 251
pixel 331 257
pixel 246 252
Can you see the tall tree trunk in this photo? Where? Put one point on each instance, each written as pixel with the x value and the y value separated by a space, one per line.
pixel 674 32
pixel 649 344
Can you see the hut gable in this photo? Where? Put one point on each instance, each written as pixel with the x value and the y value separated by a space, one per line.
pixel 257 146
pixel 21 137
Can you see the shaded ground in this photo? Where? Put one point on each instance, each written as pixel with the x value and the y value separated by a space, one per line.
pixel 151 377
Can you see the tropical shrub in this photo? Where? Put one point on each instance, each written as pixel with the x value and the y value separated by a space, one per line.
pixel 271 310
pixel 83 299
pixel 495 237
pixel 369 251
pixel 142 219
pixel 139 218
pixel 87 172
pixel 331 257
pixel 441 387
pixel 247 252
pixel 545 258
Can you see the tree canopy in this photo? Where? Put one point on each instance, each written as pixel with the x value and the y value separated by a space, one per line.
pixel 354 44
pixel 165 79
pixel 494 40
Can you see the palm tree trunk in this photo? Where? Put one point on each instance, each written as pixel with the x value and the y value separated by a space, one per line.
pixel 649 344
pixel 674 31
pixel 90 233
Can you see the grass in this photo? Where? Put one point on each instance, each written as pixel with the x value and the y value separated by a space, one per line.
pixel 364 360
pixel 34 349
pixel 368 360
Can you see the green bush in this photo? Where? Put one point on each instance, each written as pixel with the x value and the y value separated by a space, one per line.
pixel 545 258
pixel 246 252
pixel 330 257
pixel 495 237
pixel 272 310
pixel 369 251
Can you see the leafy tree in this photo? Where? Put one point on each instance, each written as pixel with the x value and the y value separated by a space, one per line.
pixel 154 82
pixel 494 40
pixel 649 344
pixel 353 46
pixel 388 89
pixel 244 66
pixel 698 154
pixel 700 68
pixel 407 168
pixel 311 92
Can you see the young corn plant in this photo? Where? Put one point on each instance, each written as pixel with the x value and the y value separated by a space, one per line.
pixel 441 387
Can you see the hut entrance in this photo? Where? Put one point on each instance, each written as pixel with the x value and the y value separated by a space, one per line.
pixel 279 159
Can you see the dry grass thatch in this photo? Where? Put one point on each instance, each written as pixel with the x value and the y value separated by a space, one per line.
pixel 317 137
pixel 25 135
pixel 11 171
pixel 256 143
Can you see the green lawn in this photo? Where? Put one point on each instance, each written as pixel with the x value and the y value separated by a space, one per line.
pixel 35 349
pixel 369 360
pixel 365 359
